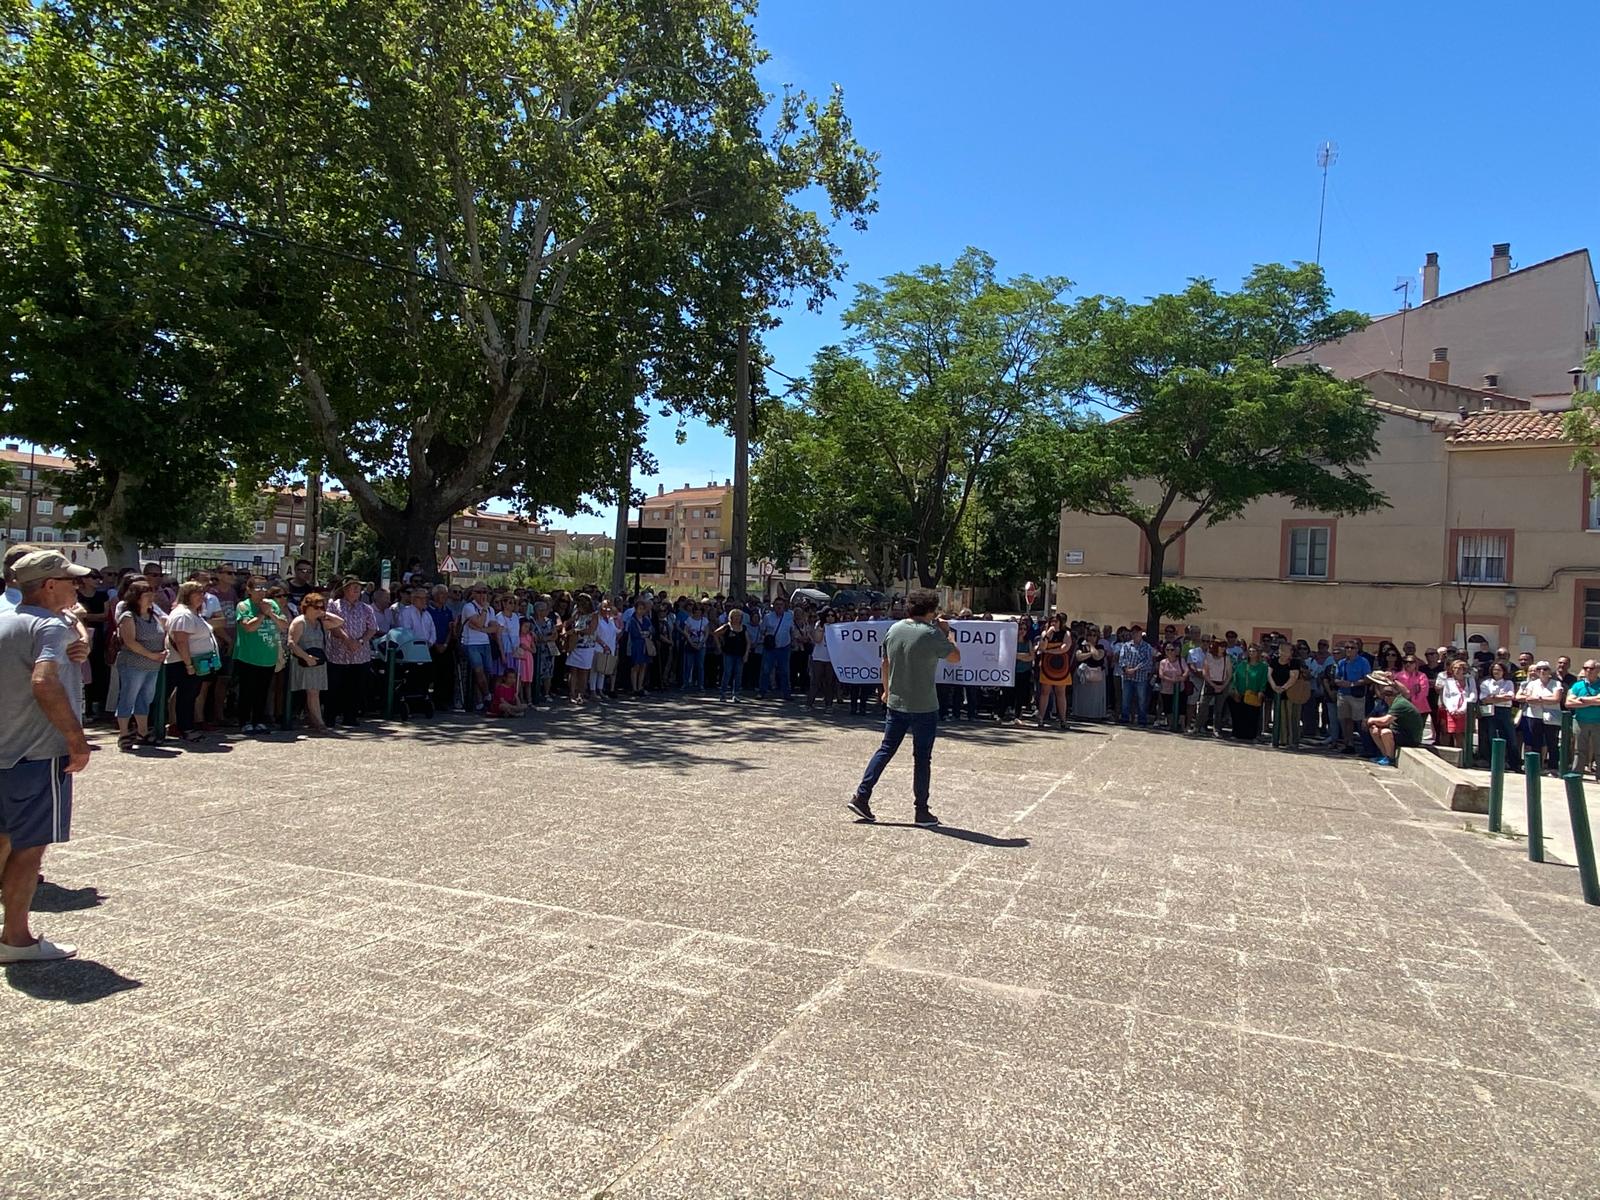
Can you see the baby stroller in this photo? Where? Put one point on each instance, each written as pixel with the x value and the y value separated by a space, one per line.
pixel 413 672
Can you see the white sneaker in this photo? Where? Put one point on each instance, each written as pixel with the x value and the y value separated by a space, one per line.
pixel 42 950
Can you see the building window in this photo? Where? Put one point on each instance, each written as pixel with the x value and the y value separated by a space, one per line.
pixel 695 533
pixel 1172 560
pixel 1586 620
pixel 283 527
pixel 1591 505
pixel 544 551
pixel 68 510
pixel 1481 555
pixel 711 514
pixel 43 533
pixel 1307 550
pixel 500 546
pixel 299 530
pixel 45 508
pixel 483 547
pixel 261 526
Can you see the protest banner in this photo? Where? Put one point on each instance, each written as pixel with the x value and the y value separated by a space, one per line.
pixel 988 652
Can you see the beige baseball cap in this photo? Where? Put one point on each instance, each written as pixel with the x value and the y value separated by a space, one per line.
pixel 45 564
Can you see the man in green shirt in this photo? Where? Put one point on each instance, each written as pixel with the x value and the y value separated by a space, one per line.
pixel 1583 700
pixel 1400 726
pixel 911 654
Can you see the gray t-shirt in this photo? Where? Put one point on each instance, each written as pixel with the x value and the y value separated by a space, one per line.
pixel 914 650
pixel 32 635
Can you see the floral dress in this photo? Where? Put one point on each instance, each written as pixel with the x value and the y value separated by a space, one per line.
pixel 544 648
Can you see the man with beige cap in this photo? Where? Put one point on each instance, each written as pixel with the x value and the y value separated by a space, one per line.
pixel 41 740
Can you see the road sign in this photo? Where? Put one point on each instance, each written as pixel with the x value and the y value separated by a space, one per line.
pixel 385 574
pixel 448 566
pixel 647 552
pixel 767 569
pixel 1072 558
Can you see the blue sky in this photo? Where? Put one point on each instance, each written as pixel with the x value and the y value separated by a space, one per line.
pixel 1131 147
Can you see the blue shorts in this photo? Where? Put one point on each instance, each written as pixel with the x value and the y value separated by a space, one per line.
pixel 480 657
pixel 36 802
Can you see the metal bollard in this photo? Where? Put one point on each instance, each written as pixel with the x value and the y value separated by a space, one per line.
pixel 1497 782
pixel 1578 811
pixel 158 709
pixel 1531 768
pixel 1564 756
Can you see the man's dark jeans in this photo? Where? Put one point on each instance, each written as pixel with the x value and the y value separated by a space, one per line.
pixel 923 728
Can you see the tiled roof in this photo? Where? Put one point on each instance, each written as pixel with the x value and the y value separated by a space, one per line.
pixel 49 462
pixel 1491 428
pixel 688 495
pixel 1422 415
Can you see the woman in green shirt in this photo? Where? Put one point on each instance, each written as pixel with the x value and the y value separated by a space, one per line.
pixel 255 653
pixel 1246 693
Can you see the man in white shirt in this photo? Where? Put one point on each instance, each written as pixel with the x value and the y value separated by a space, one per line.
pixel 414 618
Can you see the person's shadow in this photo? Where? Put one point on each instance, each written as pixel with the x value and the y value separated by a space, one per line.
pixel 960 835
pixel 53 898
pixel 71 981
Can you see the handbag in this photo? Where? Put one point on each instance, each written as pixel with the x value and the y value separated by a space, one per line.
pixel 1094 674
pixel 1299 691
pixel 1253 699
pixel 649 647
pixel 569 640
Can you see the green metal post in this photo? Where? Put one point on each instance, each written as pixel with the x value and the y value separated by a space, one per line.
pixel 1466 742
pixel 158 710
pixel 1531 775
pixel 1578 811
pixel 1565 759
pixel 1497 782
pixel 388 699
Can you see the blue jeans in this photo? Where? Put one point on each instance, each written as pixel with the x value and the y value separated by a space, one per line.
pixel 732 674
pixel 1138 693
pixel 136 693
pixel 694 668
pixel 775 660
pixel 923 727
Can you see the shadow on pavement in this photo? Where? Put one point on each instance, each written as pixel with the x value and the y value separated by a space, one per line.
pixel 670 733
pixel 71 981
pixel 961 835
pixel 52 898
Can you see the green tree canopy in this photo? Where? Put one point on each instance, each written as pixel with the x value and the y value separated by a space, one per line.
pixel 883 451
pixel 119 332
pixel 1206 419
pixel 590 180
pixel 1581 425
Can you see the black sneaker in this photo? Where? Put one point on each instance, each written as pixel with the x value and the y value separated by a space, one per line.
pixel 862 810
pixel 925 819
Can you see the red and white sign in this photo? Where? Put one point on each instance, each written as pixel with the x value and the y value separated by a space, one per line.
pixel 448 566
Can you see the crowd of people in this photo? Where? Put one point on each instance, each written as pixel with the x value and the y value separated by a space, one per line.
pixel 265 653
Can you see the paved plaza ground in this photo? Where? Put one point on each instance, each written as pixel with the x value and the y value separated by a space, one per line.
pixel 645 953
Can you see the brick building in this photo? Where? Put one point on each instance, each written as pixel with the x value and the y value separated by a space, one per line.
pixel 699 523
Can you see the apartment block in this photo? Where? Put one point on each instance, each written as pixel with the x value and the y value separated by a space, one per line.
pixel 699 523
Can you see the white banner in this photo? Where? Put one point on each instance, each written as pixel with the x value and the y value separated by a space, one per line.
pixel 988 652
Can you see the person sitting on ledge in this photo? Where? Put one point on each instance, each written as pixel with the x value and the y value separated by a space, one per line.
pixel 1400 726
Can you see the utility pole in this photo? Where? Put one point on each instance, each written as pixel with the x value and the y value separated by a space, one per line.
pixel 33 476
pixel 619 562
pixel 313 515
pixel 739 544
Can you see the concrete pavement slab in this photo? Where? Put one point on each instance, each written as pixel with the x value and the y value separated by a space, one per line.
pixel 647 954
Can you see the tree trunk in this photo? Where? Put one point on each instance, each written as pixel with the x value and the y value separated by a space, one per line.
pixel 112 524
pixel 1152 615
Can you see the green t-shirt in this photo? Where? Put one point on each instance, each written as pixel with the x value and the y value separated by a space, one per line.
pixel 1407 722
pixel 914 650
pixel 259 649
pixel 1589 714
pixel 1250 677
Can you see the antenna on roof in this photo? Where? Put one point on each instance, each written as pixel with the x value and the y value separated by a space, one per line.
pixel 1327 155
pixel 1403 283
